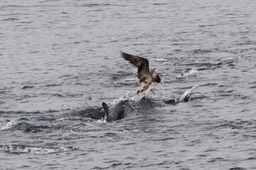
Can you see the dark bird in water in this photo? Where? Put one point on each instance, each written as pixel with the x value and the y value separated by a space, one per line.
pixel 145 74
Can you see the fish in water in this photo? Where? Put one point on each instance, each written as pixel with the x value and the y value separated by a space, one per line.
pixel 116 111
pixel 146 75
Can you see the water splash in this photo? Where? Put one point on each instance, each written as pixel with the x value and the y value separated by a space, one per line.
pixel 187 73
pixel 10 125
pixel 17 149
pixel 185 96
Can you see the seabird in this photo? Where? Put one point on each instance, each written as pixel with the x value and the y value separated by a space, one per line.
pixel 145 74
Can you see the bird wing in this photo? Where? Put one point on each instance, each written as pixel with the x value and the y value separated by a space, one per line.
pixel 140 62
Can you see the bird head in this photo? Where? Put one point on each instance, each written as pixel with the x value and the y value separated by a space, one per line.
pixel 157 78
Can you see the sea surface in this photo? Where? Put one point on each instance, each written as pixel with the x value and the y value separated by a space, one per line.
pixel 60 59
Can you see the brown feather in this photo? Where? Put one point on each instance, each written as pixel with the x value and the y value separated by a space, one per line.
pixel 134 60
pixel 145 74
pixel 140 62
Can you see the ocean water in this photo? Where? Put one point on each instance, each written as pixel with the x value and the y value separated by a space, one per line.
pixel 61 59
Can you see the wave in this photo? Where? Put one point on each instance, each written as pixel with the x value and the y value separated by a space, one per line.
pixel 19 149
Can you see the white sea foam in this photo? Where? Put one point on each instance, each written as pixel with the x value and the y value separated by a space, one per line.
pixel 33 149
pixel 9 125
pixel 188 73
pixel 161 60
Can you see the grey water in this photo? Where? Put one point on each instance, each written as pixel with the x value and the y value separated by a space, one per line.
pixel 59 60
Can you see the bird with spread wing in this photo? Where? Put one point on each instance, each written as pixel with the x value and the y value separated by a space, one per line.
pixel 145 74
